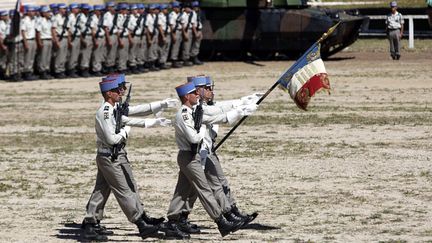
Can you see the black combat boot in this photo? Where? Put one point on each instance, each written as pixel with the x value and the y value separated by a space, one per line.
pixel 225 227
pixel 172 231
pixel 72 73
pixel 246 217
pixel 146 230
pixel 196 61
pixel 151 220
pixel 85 73
pixel 102 230
pixel 185 226
pixel 60 75
pixel 90 233
pixel 45 76
pixel 28 76
pixel 153 67
pixel 233 218
pixel 176 64
pixel 187 63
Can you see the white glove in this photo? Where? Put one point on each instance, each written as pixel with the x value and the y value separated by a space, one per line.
pixel 169 103
pixel 125 131
pixel 158 121
pixel 247 110
pixel 251 99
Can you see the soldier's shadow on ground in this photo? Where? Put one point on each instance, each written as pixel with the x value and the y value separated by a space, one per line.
pixel 256 226
pixel 72 231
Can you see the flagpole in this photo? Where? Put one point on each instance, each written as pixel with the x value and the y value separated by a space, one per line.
pixel 323 37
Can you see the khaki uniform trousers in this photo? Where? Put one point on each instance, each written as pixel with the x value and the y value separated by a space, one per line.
pixel 98 55
pixel 29 56
pixel 164 48
pixel 218 184
pixel 60 56
pixel 196 44
pixel 73 54
pixel 175 46
pixel 186 46
pixel 123 54
pixel 86 51
pixel 115 176
pixel 153 49
pixel 44 57
pixel 16 58
pixel 142 52
pixel 3 60
pixel 111 52
pixel 134 51
pixel 394 40
pixel 192 178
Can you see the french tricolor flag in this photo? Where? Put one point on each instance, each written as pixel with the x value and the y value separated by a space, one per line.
pixel 16 19
pixel 306 77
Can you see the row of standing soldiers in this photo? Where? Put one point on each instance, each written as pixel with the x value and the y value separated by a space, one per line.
pixel 83 40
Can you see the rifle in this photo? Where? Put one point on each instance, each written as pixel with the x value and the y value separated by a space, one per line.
pixel 88 23
pixel 114 24
pixel 122 109
pixel 65 23
pixel 198 118
pixel 76 27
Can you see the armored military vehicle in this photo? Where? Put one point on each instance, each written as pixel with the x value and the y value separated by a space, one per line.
pixel 265 28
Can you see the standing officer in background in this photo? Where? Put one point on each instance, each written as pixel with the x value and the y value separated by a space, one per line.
pixel 197 33
pixel 134 23
pixel 124 37
pixel 176 33
pixel 394 30
pixel 4 29
pixel 16 52
pixel 28 32
pixel 98 37
pixel 115 171
pixel 187 24
pixel 152 33
pixel 75 40
pixel 110 20
pixel 60 35
pixel 44 42
pixel 85 18
pixel 164 36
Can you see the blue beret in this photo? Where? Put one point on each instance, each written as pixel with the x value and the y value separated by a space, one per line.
pixel 146 6
pixel 175 4
pixel 195 4
pixel 123 6
pixel 53 5
pixel 185 89
pixel 73 5
pixel 4 13
pixel 99 7
pixel 29 8
pixel 140 6
pixel 153 6
pixel 120 77
pixel 163 6
pixel 108 84
pixel 45 9
pixel 62 5
pixel 209 81
pixel 110 4
pixel 85 6
pixel 198 80
pixel 133 6
pixel 90 8
pixel 393 4
pixel 11 12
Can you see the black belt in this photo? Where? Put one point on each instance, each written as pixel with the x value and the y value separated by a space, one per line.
pixel 30 39
pixel 46 39
pixel 394 29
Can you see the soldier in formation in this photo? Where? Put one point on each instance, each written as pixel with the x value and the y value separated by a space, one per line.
pixel 80 40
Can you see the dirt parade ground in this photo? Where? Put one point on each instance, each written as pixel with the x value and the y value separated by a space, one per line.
pixel 356 167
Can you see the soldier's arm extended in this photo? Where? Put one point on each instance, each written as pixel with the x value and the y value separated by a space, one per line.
pixel 139 122
pixel 152 108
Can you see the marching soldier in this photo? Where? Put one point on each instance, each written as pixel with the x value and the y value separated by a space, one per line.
pixel 191 176
pixel 124 37
pixel 85 18
pixel 98 37
pixel 60 36
pixel 44 42
pixel 197 33
pixel 152 33
pixel 110 20
pixel 114 170
pixel 75 40
pixel 165 36
pixel 187 24
pixel 4 29
pixel 28 32
pixel 176 34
